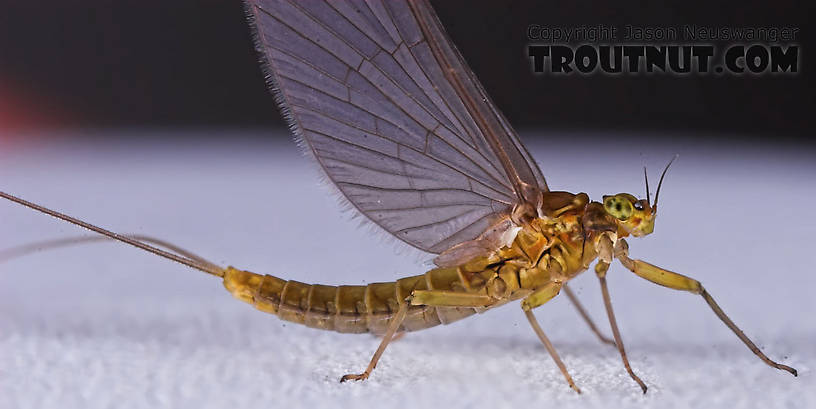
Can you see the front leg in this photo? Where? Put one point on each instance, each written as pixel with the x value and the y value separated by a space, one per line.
pixel 676 281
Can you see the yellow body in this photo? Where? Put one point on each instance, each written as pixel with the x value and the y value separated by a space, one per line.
pixel 545 253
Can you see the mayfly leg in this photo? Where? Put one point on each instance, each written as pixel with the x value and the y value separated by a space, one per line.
pixel 600 270
pixel 585 315
pixel 551 349
pixel 389 335
pixel 676 281
pixel 431 298
pixel 536 299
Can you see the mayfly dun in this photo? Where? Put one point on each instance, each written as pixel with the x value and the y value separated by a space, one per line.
pixel 377 93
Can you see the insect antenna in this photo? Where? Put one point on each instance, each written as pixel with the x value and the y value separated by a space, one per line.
pixel 660 183
pixel 193 262
pixel 648 197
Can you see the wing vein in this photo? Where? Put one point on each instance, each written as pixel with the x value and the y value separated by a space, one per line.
pixel 468 176
pixel 378 94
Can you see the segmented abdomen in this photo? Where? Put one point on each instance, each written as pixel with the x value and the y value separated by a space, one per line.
pixel 348 308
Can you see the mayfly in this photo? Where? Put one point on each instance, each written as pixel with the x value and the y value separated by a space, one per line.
pixel 378 94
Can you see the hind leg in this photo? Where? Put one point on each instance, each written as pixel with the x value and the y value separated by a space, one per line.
pixel 431 298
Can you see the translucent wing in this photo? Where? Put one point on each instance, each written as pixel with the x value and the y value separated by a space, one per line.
pixel 394 116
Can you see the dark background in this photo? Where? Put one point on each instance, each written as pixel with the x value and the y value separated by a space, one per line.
pixel 99 63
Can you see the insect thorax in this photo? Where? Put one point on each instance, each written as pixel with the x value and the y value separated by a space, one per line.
pixel 552 247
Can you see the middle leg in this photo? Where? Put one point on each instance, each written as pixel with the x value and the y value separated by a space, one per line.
pixel 539 297
pixel 585 315
pixel 600 270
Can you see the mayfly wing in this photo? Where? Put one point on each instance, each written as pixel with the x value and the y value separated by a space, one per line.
pixel 520 167
pixel 380 96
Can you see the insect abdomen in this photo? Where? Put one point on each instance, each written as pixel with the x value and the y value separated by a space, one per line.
pixel 347 308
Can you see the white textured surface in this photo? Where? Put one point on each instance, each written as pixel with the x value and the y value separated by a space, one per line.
pixel 104 325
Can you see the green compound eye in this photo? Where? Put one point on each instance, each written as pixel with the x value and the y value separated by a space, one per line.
pixel 618 207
